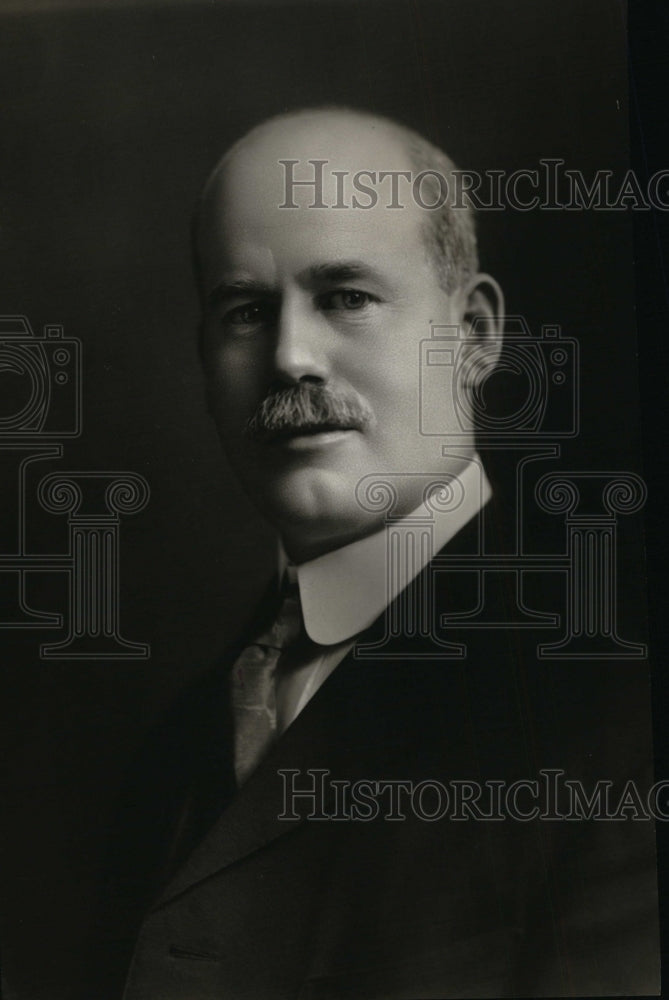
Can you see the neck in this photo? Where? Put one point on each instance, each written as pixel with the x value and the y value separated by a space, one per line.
pixel 300 547
pixel 307 538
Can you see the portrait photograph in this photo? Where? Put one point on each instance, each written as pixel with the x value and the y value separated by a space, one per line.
pixel 332 374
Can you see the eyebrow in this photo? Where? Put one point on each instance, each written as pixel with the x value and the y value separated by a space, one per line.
pixel 341 270
pixel 328 271
pixel 242 286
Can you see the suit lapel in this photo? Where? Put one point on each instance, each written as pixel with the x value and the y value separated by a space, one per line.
pixel 252 818
pixel 354 717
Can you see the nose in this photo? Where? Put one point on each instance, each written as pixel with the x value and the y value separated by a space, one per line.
pixel 300 351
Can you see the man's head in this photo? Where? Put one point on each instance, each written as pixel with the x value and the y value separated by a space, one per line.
pixel 315 300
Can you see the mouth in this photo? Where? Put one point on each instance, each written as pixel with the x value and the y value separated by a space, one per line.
pixel 306 435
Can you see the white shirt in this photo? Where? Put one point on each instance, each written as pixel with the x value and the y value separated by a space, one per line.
pixel 344 591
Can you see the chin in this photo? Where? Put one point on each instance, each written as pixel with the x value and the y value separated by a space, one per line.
pixel 318 511
pixel 295 507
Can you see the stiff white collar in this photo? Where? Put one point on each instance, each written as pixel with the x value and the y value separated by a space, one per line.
pixel 344 591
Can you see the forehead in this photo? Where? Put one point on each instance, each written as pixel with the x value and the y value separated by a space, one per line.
pixel 246 223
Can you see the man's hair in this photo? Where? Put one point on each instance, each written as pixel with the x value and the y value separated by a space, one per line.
pixel 450 233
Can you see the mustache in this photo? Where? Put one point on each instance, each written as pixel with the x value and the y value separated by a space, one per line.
pixel 307 407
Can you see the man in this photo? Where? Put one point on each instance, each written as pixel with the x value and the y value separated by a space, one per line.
pixel 268 883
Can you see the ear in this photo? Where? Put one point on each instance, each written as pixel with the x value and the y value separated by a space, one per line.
pixel 482 328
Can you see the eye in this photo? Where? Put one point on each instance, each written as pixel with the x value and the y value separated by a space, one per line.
pixel 251 314
pixel 346 298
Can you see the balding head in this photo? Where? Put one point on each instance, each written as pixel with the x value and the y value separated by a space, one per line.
pixel 319 285
pixel 350 141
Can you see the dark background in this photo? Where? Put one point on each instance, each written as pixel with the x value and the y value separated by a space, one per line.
pixel 110 119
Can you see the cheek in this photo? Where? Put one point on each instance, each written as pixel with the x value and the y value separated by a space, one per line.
pixel 231 384
pixel 391 383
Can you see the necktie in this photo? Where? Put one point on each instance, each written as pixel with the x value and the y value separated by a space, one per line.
pixel 253 688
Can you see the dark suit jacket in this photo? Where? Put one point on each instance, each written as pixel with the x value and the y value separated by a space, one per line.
pixel 244 905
